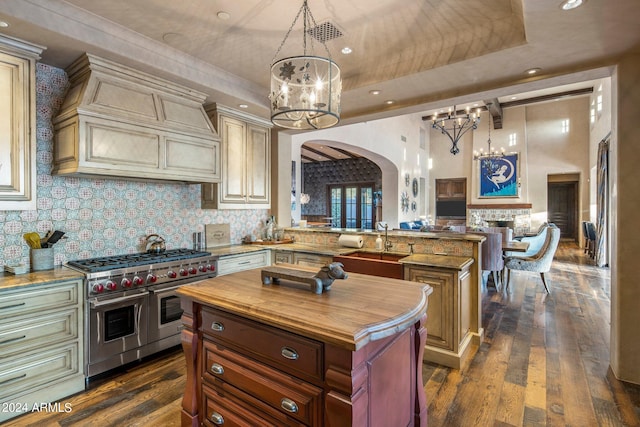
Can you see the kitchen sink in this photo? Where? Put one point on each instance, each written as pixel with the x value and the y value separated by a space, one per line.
pixel 382 264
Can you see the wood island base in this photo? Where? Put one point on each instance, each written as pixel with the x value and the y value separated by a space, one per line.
pixel 282 356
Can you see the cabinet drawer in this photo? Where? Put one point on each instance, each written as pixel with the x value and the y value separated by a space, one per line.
pixel 238 408
pixel 232 264
pixel 45 297
pixel 291 353
pixel 38 369
pixel 283 257
pixel 22 334
pixel 294 398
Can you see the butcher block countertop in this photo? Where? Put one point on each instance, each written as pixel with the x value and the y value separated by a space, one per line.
pixel 352 313
pixel 58 274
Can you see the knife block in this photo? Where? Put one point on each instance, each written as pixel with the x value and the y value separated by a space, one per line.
pixel 41 259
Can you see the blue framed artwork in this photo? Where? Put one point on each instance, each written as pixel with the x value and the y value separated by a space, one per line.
pixel 499 176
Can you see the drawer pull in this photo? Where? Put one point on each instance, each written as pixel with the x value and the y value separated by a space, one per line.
pixel 13 339
pixel 6 307
pixel 289 405
pixel 217 326
pixel 289 353
pixel 13 379
pixel 217 419
pixel 217 369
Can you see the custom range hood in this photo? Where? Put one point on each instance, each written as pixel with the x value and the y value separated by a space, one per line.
pixel 122 123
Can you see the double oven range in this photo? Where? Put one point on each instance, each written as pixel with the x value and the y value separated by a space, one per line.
pixel 132 310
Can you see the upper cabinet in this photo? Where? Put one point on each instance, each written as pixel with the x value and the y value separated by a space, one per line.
pixel 451 189
pixel 123 123
pixel 246 161
pixel 17 124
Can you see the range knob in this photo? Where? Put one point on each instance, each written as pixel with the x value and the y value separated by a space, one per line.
pixel 202 268
pixel 211 267
pixel 193 270
pixel 98 288
pixel 126 283
pixel 172 274
pixel 111 285
pixel 137 280
pixel 152 278
pixel 184 272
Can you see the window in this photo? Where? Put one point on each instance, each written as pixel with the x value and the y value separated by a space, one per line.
pixel 565 126
pixel 351 205
pixel 513 139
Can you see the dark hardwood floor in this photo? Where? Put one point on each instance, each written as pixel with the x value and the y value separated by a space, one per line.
pixel 544 362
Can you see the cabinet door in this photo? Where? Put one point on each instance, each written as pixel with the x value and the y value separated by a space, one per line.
pixel 233 134
pixel 441 325
pixel 258 164
pixel 311 260
pixel 283 257
pixel 17 121
pixel 455 188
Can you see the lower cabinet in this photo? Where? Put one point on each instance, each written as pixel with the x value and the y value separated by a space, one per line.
pixel 301 258
pixel 41 345
pixel 233 263
pixel 449 312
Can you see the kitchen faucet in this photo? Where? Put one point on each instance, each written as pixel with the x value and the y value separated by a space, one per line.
pixel 387 242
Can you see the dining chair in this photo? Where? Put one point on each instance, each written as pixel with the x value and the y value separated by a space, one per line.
pixel 540 262
pixel 590 238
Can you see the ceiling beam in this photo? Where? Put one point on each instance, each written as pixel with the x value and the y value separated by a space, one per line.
pixel 303 157
pixel 345 152
pixel 494 108
pixel 567 94
pixel 319 153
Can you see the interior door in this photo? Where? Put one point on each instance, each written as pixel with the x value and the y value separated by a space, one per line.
pixel 562 207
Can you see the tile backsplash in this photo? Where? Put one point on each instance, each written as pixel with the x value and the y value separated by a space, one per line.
pixel 105 216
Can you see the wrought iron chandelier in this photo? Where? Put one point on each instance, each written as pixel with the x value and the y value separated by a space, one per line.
pixel 305 89
pixel 455 124
pixel 491 153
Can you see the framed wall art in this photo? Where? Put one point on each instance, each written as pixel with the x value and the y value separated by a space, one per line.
pixel 498 176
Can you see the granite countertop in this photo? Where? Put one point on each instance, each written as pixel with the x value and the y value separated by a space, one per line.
pixel 58 274
pixel 244 248
pixel 449 235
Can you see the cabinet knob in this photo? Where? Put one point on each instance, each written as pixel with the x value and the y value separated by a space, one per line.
pixel 217 419
pixel 289 353
pixel 217 326
pixel 289 405
pixel 217 369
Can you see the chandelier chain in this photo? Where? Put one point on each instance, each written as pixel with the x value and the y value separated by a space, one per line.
pixel 307 19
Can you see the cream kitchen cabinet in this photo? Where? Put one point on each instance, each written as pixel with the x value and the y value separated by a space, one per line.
pixel 301 258
pixel 18 124
pixel 232 263
pixel 246 162
pixel 41 345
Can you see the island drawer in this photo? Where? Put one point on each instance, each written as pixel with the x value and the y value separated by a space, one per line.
pixel 291 353
pixel 226 405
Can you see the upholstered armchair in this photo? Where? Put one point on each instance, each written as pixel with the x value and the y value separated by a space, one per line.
pixel 491 259
pixel 540 262
pixel 535 243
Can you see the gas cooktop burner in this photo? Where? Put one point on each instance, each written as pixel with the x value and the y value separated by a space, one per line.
pixel 132 260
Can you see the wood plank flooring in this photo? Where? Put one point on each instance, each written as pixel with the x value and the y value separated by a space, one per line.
pixel 544 362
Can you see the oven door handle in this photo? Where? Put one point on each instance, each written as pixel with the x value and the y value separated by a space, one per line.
pixel 95 303
pixel 159 291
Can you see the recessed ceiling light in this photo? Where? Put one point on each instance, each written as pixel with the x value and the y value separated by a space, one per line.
pixel 243 106
pixel 571 4
pixel 389 101
pixel 346 50
pixel 4 24
pixel 223 15
pixel 374 92
pixel 514 97
pixel 532 71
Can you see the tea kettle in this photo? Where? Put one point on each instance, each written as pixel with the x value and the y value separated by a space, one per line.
pixel 155 244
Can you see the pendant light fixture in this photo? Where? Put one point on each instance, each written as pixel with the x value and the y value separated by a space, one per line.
pixel 305 90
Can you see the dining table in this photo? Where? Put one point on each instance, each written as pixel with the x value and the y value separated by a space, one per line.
pixel 515 246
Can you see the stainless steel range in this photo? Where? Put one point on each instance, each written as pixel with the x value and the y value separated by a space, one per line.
pixel 132 310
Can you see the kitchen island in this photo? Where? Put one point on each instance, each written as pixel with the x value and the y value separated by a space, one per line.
pixel 282 355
